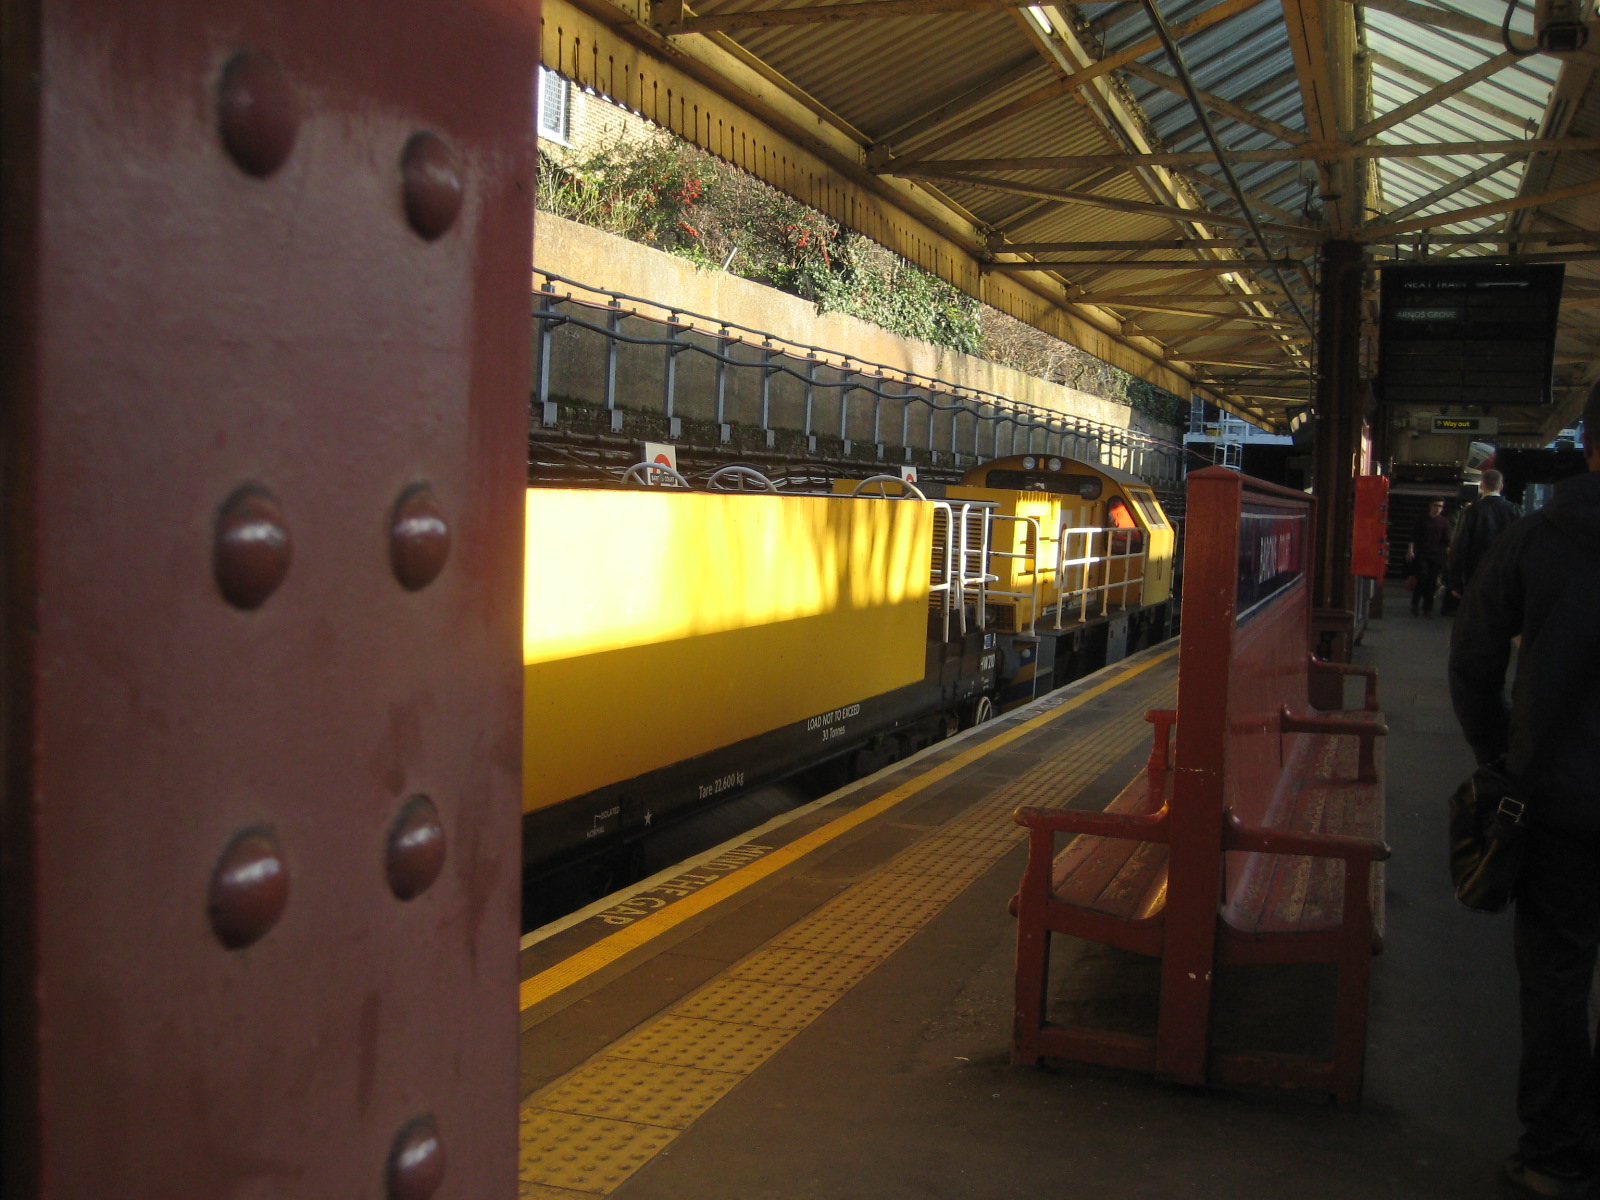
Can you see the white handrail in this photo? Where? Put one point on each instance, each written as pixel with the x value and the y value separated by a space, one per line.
pixel 1080 597
pixel 1031 525
pixel 958 582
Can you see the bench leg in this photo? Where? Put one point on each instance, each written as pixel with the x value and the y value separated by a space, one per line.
pixel 1367 768
pixel 1033 983
pixel 1355 976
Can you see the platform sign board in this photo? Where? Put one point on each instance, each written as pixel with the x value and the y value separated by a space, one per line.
pixel 1273 539
pixel 1468 334
pixel 1474 426
pixel 661 453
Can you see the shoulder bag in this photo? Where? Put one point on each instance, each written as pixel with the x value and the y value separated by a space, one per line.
pixel 1486 830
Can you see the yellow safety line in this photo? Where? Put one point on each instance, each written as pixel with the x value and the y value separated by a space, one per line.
pixel 609 949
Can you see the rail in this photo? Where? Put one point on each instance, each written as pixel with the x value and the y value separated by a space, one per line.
pixel 1019 424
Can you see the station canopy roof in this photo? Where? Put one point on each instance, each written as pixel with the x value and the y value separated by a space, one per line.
pixel 1175 165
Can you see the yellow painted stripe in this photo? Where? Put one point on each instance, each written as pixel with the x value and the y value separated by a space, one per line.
pixel 609 949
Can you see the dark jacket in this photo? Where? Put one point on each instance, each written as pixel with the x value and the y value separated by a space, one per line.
pixel 1430 538
pixel 1540 579
pixel 1477 529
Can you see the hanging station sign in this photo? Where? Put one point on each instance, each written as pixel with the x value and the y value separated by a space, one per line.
pixel 1477 426
pixel 1468 335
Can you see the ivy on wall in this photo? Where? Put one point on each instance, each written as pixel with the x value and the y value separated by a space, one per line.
pixel 660 190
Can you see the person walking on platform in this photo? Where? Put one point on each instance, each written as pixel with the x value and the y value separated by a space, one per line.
pixel 1430 545
pixel 1540 580
pixel 1476 530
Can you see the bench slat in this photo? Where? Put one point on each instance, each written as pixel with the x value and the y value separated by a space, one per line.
pixel 1113 876
pixel 1287 893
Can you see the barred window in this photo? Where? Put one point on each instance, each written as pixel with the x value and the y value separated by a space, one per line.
pixel 554 105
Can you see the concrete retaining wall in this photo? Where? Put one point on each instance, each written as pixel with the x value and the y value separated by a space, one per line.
pixel 603 260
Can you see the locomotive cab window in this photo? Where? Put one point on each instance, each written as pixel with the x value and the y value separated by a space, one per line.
pixel 1128 538
pixel 1148 509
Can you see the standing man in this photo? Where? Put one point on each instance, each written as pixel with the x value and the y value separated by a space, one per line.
pixel 1476 529
pixel 1541 581
pixel 1430 544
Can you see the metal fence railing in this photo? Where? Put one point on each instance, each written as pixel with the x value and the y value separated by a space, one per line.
pixel 622 353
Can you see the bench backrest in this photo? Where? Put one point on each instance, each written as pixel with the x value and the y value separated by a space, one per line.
pixel 1246 633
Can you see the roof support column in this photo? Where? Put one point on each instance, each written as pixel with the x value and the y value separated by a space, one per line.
pixel 1340 405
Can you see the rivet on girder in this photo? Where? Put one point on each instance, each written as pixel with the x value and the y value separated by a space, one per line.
pixel 249 888
pixel 430 184
pixel 416 848
pixel 416 1161
pixel 252 547
pixel 257 113
pixel 419 539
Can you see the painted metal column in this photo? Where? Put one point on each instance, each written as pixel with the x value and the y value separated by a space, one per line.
pixel 267 379
pixel 1340 403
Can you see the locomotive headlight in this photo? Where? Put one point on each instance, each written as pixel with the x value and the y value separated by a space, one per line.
pixel 1055 464
pixel 1029 464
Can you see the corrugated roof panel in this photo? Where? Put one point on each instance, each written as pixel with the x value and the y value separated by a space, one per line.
pixel 874 72
pixel 1058 127
pixel 1405 50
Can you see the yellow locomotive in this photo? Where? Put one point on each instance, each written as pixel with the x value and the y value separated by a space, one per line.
pixel 1083 558
pixel 718 641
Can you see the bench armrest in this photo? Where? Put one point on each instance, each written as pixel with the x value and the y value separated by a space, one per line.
pixel 1289 723
pixel 1161 742
pixel 1367 731
pixel 1318 845
pixel 1370 674
pixel 1151 827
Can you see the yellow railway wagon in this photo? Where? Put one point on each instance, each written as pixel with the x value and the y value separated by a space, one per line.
pixel 682 645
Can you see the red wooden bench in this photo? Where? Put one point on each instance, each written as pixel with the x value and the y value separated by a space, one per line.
pixel 1255 843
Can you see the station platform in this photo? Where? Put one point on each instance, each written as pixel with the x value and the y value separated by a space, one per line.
pixel 823 1008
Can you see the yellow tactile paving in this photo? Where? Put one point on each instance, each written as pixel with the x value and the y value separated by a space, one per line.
pixel 807 968
pixel 586 1154
pixel 589 1131
pixel 645 1092
pixel 931 862
pixel 964 847
pixel 767 1005
pixel 892 881
pixel 845 937
pixel 910 911
pixel 711 1045
pixel 993 827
